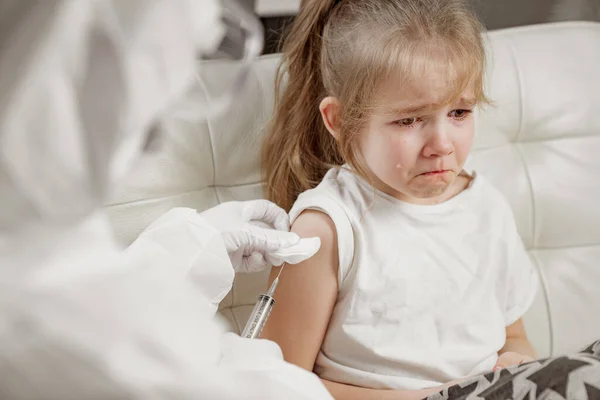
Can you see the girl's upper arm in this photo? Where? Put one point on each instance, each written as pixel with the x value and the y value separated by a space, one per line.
pixel 306 294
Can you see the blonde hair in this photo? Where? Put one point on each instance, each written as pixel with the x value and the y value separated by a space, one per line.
pixel 348 49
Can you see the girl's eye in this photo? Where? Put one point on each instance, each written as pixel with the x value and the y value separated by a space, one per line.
pixel 406 121
pixel 460 114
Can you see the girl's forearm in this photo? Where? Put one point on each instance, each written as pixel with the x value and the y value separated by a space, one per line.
pixel 519 345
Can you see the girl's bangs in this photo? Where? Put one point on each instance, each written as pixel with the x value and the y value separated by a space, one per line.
pixel 411 68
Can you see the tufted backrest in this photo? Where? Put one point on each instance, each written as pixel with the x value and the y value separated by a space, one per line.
pixel 539 144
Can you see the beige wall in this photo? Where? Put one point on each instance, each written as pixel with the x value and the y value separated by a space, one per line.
pixel 506 13
pixel 495 14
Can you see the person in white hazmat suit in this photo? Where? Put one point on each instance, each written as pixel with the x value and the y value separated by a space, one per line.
pixel 81 81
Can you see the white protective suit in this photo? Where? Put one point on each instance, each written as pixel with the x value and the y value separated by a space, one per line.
pixel 80 83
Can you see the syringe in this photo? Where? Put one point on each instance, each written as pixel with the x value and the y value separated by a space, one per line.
pixel 261 311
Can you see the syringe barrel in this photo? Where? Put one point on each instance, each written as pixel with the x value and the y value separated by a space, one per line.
pixel 259 317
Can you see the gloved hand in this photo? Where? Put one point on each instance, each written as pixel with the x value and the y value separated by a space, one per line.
pixel 256 235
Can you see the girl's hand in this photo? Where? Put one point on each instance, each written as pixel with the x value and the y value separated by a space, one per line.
pixel 511 358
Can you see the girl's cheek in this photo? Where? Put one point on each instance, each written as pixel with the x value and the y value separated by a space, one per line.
pixel 402 153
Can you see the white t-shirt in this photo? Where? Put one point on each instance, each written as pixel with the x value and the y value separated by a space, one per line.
pixel 425 292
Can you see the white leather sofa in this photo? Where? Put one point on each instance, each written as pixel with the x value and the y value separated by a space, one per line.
pixel 540 144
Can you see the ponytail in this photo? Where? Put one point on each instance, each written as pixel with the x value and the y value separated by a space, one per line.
pixel 298 150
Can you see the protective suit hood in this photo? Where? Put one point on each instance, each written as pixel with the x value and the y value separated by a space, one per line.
pixel 102 109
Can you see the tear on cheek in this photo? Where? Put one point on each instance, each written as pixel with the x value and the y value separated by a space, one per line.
pixel 398 166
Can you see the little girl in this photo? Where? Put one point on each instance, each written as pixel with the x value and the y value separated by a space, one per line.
pixel 422 278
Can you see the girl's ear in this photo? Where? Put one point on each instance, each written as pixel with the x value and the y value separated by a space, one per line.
pixel 330 112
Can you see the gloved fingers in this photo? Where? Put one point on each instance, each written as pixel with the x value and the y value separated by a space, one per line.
pixel 268 212
pixel 260 224
pixel 237 258
pixel 254 262
pixel 246 260
pixel 252 240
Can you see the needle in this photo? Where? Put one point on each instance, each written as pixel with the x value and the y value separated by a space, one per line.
pixel 275 282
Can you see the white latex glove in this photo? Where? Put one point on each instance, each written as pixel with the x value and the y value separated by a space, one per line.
pixel 256 235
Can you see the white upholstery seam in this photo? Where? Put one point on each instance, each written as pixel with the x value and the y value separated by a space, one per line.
pixel 261 57
pixel 544 27
pixel 532 194
pixel 545 140
pixel 210 140
pixel 572 246
pixel 243 305
pixel 232 290
pixel 544 284
pixel 521 92
pixel 235 321
pixel 556 139
pixel 179 194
